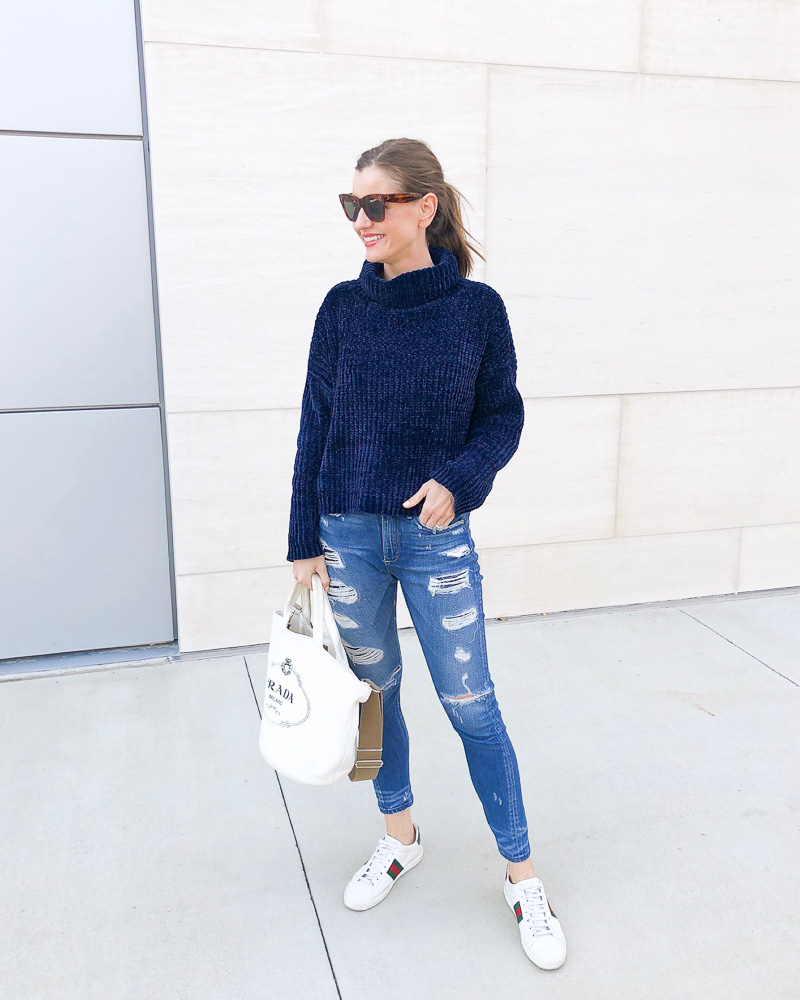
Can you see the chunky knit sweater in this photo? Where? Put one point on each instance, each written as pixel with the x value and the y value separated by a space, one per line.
pixel 409 379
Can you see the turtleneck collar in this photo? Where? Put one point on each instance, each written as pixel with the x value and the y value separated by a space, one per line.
pixel 411 288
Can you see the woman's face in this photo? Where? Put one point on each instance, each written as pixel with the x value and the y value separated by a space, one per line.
pixel 402 230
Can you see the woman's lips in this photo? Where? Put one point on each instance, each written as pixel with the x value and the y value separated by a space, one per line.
pixel 371 241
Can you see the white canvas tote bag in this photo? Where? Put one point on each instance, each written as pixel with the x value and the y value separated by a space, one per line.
pixel 310 714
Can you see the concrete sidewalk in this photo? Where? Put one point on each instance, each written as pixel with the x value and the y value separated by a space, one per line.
pixel 149 853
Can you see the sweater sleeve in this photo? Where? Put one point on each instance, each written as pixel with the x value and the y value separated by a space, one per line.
pixel 497 419
pixel 314 422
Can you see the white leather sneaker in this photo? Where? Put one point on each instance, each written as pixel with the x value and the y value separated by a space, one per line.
pixel 542 938
pixel 374 880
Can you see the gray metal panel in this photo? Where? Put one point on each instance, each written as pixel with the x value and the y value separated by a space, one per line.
pixel 76 297
pixel 69 66
pixel 84 560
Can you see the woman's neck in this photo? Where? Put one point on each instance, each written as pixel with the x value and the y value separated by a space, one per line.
pixel 417 258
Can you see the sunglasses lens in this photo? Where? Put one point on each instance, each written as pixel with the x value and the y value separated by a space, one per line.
pixel 350 206
pixel 375 209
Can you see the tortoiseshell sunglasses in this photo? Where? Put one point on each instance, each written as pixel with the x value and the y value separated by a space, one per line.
pixel 374 205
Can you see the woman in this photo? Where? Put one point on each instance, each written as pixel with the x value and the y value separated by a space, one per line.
pixel 410 409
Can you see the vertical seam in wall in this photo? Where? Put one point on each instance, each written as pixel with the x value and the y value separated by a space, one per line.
pixel 642 4
pixel 319 23
pixel 156 317
pixel 619 460
pixel 737 580
pixel 486 170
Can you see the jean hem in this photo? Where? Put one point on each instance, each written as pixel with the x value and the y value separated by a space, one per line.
pixel 389 810
pixel 515 860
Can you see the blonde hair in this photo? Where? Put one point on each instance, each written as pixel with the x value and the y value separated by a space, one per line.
pixel 412 164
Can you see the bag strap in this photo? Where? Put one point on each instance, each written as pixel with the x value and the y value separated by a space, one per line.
pixel 370 737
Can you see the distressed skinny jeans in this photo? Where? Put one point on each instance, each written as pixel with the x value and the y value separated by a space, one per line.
pixel 366 555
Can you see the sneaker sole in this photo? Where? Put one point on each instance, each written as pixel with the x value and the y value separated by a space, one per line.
pixel 388 889
pixel 547 968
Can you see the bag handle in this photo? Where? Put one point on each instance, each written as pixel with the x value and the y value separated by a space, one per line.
pixel 321 612
pixel 298 594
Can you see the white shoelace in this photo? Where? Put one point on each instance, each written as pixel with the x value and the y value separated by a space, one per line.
pixel 535 909
pixel 382 857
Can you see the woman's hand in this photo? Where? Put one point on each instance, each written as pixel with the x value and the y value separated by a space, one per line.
pixel 439 507
pixel 304 569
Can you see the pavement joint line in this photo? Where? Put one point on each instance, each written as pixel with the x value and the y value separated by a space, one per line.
pixel 740 648
pixel 297 845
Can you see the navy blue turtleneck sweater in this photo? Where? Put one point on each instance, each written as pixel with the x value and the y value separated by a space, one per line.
pixel 409 379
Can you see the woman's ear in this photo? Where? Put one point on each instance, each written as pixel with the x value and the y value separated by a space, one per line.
pixel 428 205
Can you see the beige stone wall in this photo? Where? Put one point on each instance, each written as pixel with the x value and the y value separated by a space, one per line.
pixel 634 175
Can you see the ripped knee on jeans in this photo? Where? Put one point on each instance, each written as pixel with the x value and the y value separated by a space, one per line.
pixel 461 698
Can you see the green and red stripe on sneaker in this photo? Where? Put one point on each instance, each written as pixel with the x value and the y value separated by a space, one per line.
pixel 394 869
